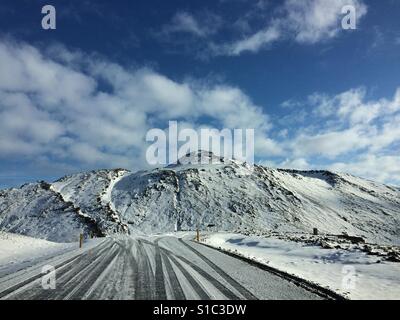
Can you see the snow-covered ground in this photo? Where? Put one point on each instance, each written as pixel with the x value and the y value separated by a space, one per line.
pixel 18 249
pixel 351 273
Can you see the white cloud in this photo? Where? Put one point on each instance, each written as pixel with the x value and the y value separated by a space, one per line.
pixel 302 21
pixel 51 105
pixel 26 70
pixel 184 22
pixel 23 126
pixel 231 107
pixel 342 104
pixel 351 127
pixel 351 106
pixel 267 148
pixel 53 113
pixel 251 43
pixel 354 124
pixel 387 135
pixel 298 164
pixel 311 21
pixel 383 168
pixel 330 144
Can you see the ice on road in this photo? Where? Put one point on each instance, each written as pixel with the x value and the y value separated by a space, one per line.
pixel 162 268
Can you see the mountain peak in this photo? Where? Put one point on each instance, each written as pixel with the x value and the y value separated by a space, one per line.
pixel 198 157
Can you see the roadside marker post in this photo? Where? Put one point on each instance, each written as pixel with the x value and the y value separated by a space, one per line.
pixel 197 235
pixel 81 240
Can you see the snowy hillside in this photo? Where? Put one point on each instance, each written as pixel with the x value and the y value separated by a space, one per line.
pixel 226 193
pixel 37 211
pixel 16 249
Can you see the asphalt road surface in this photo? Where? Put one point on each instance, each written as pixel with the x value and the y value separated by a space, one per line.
pixel 150 268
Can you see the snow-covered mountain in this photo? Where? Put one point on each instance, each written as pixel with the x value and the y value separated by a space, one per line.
pixel 226 193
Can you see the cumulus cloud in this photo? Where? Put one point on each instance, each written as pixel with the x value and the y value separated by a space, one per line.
pixel 351 105
pixel 330 144
pixel 377 167
pixel 298 164
pixel 378 121
pixel 349 126
pixel 79 109
pixel 66 110
pixel 311 21
pixel 266 147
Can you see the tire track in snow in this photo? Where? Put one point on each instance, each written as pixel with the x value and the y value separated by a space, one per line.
pixel 118 279
pixel 145 279
pixel 61 268
pixel 134 267
pixel 107 283
pixel 176 286
pixel 91 276
pixel 159 275
pixel 123 275
pixel 75 276
pixel 30 280
pixel 203 295
pixel 243 291
pixel 216 283
pixel 65 277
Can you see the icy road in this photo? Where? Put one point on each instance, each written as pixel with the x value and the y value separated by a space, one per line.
pixel 149 268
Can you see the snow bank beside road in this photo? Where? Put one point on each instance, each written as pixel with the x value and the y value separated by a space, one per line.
pixel 15 248
pixel 330 268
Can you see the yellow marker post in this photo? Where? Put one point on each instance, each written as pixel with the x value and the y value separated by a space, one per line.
pixel 81 240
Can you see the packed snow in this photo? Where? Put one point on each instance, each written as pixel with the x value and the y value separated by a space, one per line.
pixel 17 249
pixel 351 273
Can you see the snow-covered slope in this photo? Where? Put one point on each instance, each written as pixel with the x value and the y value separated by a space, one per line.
pixel 91 193
pixel 233 197
pixel 35 210
pixel 226 193
pixel 17 249
pixel 61 211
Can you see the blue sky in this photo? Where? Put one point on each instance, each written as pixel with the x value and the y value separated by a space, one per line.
pixel 84 95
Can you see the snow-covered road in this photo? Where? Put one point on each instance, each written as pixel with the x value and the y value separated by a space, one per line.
pixel 164 267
